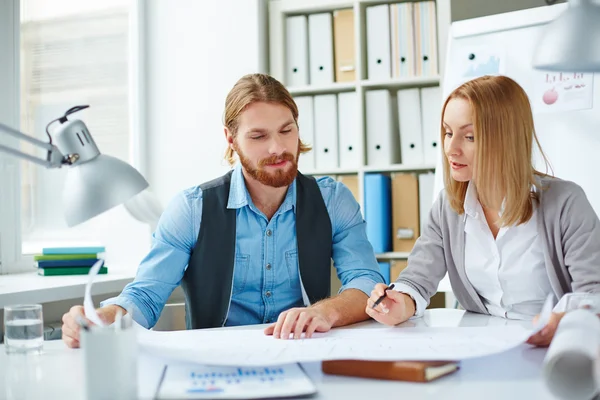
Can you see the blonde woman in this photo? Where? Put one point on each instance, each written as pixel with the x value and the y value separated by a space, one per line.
pixel 506 234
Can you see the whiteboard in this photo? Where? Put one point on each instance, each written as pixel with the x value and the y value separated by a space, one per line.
pixel 505 44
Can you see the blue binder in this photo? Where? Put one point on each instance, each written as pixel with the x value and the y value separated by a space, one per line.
pixel 385 269
pixel 378 211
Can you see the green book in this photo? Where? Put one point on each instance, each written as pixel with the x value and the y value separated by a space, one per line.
pixel 46 257
pixel 68 271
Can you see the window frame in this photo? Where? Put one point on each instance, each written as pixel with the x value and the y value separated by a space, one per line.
pixel 11 258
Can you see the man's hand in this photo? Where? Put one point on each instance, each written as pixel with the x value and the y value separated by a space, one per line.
pixel 298 320
pixel 70 327
pixel 395 308
pixel 544 337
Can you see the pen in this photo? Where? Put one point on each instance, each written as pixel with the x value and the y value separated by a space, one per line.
pixel 82 323
pixel 380 299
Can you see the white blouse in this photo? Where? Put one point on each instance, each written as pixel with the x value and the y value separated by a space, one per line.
pixel 508 272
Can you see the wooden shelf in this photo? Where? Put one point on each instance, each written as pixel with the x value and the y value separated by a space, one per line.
pixel 398 168
pixel 392 256
pixel 401 83
pixel 332 171
pixel 323 89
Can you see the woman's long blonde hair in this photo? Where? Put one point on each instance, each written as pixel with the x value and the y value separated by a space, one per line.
pixel 504 133
pixel 250 89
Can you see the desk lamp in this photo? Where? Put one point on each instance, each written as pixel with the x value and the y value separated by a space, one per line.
pixel 572 41
pixel 95 182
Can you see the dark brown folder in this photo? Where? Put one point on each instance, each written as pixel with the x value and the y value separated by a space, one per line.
pixel 412 371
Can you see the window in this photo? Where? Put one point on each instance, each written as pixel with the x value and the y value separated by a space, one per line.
pixel 72 53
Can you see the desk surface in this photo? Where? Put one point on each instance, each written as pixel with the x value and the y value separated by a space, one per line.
pixel 512 374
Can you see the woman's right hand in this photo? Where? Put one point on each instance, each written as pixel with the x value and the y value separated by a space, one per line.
pixel 395 308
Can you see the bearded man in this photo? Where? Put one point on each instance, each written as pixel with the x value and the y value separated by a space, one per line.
pixel 255 246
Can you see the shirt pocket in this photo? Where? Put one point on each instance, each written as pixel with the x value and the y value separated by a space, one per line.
pixel 240 272
pixel 291 262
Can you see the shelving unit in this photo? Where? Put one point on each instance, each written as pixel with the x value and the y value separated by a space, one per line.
pixel 280 10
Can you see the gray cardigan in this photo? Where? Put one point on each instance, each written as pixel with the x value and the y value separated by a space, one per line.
pixel 571 239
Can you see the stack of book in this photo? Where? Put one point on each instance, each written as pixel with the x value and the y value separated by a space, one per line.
pixel 68 260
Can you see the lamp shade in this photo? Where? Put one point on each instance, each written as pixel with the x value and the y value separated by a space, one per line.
pixel 97 186
pixel 572 41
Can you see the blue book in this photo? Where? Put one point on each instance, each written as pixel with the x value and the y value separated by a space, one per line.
pixel 87 262
pixel 378 211
pixel 74 250
pixel 384 267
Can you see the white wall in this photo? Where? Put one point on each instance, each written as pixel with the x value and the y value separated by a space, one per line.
pixel 195 51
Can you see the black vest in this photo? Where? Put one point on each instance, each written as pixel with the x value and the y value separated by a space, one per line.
pixel 208 279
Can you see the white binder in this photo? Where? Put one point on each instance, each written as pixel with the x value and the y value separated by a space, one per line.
pixel 306 124
pixel 425 198
pixel 403 40
pixel 426 38
pixel 296 51
pixel 382 146
pixel 348 130
pixel 378 42
pixel 431 110
pixel 326 131
pixel 320 47
pixel 409 118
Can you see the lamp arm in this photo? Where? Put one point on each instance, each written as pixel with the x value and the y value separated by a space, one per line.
pixel 54 158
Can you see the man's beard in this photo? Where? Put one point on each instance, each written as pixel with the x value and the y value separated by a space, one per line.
pixel 279 178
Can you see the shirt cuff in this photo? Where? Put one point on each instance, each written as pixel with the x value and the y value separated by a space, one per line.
pixel 130 306
pixel 365 285
pixel 420 302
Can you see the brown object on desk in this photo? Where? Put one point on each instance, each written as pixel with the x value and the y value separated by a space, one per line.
pixel 413 371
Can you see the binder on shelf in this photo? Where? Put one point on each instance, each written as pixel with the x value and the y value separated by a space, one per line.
pixel 326 131
pixel 348 130
pixel 431 110
pixel 403 40
pixel 378 42
pixel 306 126
pixel 426 198
pixel 336 284
pixel 384 268
pixel 409 122
pixel 343 37
pixel 405 211
pixel 378 211
pixel 296 45
pixel 396 267
pixel 320 48
pixel 426 38
pixel 351 182
pixel 382 143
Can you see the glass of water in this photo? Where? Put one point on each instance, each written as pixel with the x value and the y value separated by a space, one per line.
pixel 23 328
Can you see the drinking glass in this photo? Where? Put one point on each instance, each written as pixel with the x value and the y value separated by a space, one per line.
pixel 23 328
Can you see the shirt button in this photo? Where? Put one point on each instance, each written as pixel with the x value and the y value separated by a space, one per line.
pixel 269 266
pixel 268 293
pixel 268 232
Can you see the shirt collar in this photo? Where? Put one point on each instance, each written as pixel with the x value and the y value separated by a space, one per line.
pixel 239 196
pixel 471 200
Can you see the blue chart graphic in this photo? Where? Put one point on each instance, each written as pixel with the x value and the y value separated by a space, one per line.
pixel 218 381
pixel 490 67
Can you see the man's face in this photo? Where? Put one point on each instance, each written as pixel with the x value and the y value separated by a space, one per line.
pixel 267 143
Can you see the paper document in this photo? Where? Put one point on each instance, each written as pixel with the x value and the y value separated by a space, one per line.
pixel 193 381
pixel 245 347
pixel 88 304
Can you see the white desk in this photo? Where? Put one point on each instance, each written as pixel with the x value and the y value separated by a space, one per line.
pixel 57 374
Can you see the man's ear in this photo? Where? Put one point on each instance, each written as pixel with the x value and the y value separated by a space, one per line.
pixel 228 137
